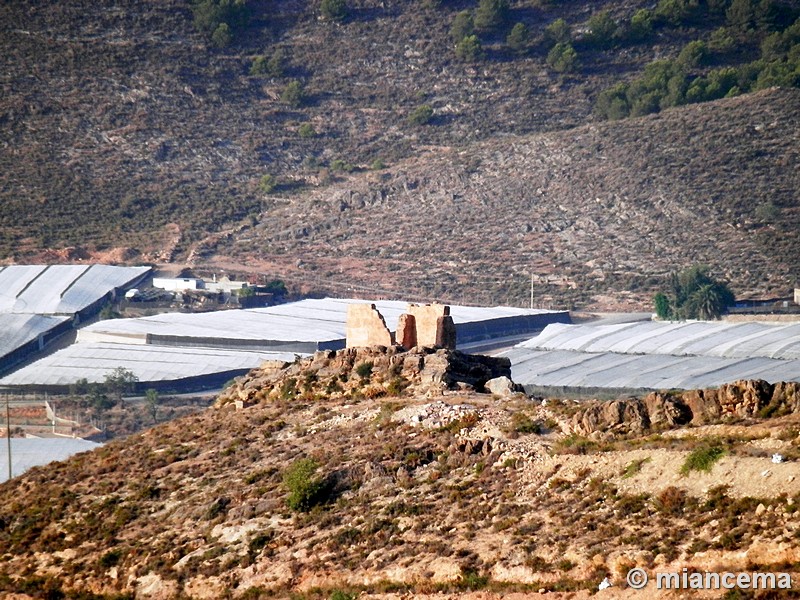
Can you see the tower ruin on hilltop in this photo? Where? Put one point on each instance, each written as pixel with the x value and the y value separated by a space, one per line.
pixel 420 325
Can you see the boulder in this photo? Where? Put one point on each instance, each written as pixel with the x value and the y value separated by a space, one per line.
pixel 501 386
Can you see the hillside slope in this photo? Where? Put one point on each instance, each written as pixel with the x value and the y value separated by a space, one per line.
pixel 123 126
pixel 598 208
pixel 382 480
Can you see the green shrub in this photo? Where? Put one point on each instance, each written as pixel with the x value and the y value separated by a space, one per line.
pixel 742 15
pixel 491 14
pixel 562 58
pixel 641 25
pixel 306 488
pixel 558 32
pixel 602 29
pixel 469 49
pixel 662 84
pixel 631 504
pixel 275 64
pixel 377 165
pixel 222 36
pixel 293 94
pixel 259 66
pixel 468 420
pixel 267 183
pixel 675 12
pixel 306 131
pixel 574 444
pixel 272 66
pixel 721 41
pixel 702 459
pixel 338 165
pixel 210 14
pixel 780 74
pixel 719 83
pixel 108 312
pixel 463 26
pixel 692 54
pixel 661 303
pixel 397 385
pixel 519 38
pixel 612 104
pixel 767 212
pixel 522 423
pixel 364 370
pixel 634 467
pixel 472 580
pixel 217 508
pixel 334 10
pixel 421 115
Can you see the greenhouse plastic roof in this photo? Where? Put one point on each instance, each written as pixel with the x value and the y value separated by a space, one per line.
pixel 653 355
pixel 653 371
pixel 315 320
pixel 60 289
pixel 686 338
pixel 149 363
pixel 18 330
pixel 27 453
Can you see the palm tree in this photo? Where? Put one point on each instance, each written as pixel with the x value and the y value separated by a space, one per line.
pixel 707 302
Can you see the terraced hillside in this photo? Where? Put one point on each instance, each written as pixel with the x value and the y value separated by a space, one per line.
pixel 603 207
pixel 129 133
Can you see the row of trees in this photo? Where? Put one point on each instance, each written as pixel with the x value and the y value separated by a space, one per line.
pixel 116 385
pixel 488 17
pixel 693 294
pixel 220 20
pixel 667 83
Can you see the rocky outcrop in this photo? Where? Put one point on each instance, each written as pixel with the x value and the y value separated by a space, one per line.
pixel 665 410
pixel 624 416
pixel 367 372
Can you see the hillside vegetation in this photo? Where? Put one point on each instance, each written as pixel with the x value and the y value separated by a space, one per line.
pixel 382 471
pixel 152 124
pixel 603 209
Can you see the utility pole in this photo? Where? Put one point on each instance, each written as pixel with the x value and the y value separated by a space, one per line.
pixel 531 289
pixel 8 435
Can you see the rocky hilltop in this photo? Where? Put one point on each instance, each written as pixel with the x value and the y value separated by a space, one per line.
pixel 744 399
pixel 393 474
pixel 370 372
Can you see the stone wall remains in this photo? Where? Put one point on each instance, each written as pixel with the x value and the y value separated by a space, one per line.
pixel 366 327
pixel 422 325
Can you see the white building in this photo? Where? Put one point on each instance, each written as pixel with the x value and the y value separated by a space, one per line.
pixel 224 285
pixel 178 284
